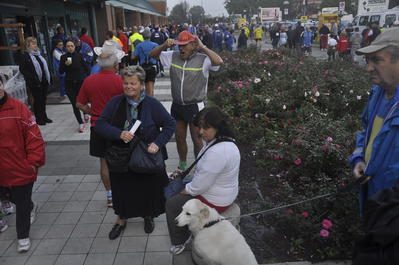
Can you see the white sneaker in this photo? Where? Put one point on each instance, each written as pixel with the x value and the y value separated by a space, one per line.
pixel 33 213
pixel 176 173
pixel 176 250
pixel 23 245
pixel 7 208
pixel 81 127
pixel 3 226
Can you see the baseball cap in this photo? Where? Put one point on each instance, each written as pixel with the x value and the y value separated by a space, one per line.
pixel 388 37
pixel 184 38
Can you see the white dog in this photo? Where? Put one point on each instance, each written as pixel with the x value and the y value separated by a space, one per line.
pixel 215 239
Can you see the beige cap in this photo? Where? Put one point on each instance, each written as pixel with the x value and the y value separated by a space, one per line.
pixel 109 46
pixel 386 38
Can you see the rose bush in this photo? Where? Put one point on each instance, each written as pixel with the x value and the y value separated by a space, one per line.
pixel 301 116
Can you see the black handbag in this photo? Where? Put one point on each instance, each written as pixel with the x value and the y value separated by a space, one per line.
pixel 177 185
pixel 141 161
pixel 117 158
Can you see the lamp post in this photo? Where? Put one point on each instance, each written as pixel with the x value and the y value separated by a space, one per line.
pixel 286 3
pixel 244 11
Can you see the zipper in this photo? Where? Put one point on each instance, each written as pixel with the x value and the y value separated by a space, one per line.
pixel 182 79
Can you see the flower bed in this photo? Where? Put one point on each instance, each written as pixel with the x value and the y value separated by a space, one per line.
pixel 300 118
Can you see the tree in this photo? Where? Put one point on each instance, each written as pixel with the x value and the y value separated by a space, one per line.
pixel 197 12
pixel 179 12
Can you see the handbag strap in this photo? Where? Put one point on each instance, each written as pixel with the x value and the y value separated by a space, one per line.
pixel 223 139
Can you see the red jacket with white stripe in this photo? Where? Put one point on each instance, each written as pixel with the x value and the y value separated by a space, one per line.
pixel 21 144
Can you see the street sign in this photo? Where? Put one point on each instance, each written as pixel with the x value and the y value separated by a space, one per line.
pixel 285 11
pixel 304 19
pixel 341 5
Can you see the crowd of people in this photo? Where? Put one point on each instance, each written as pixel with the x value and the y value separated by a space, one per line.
pixel 118 91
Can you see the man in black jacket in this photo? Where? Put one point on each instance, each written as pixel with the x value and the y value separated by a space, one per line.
pixel 290 37
pixel 208 39
pixel 376 32
pixel 297 36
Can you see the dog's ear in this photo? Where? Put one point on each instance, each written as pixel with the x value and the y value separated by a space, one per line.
pixel 204 211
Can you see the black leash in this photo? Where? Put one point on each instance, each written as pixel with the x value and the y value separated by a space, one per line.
pixel 345 188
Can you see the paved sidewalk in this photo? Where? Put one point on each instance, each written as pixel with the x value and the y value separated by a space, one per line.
pixel 73 221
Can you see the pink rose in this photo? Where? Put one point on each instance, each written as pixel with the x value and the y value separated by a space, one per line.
pixel 324 233
pixel 327 224
pixel 297 163
pixel 276 156
pixel 289 211
pixel 305 214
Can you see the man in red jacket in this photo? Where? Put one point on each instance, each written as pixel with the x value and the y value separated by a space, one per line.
pixel 21 154
pixel 122 37
pixel 85 38
pixel 343 44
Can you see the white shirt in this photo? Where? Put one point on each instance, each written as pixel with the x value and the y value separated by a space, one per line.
pixel 216 175
pixel 332 42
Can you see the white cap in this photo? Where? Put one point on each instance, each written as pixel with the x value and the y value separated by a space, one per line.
pixel 109 46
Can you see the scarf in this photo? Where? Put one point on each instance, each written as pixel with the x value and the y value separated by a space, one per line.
pixel 133 109
pixel 36 64
pixel 3 99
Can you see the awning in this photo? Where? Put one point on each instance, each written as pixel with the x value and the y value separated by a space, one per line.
pixel 138 6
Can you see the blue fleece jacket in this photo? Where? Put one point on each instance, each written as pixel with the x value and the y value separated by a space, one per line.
pixel 153 113
pixel 383 165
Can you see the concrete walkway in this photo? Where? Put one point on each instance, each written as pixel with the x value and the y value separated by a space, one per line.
pixel 73 221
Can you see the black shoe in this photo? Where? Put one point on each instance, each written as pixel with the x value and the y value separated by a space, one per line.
pixel 39 122
pixel 116 231
pixel 149 225
pixel 47 120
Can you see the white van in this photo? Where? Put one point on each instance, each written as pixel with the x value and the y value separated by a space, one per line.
pixel 384 17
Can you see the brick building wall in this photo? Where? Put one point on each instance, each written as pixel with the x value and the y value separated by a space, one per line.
pixel 134 19
pixel 119 16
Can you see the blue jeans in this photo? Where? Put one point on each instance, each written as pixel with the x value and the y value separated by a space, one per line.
pixel 275 42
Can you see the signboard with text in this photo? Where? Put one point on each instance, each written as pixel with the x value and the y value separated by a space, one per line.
pixel 367 6
pixel 270 14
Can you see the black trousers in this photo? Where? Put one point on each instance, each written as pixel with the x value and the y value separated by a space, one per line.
pixel 21 196
pixel 72 89
pixel 40 100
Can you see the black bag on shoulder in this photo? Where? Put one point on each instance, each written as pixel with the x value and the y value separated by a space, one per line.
pixel 148 64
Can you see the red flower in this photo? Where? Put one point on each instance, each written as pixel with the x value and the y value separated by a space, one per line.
pixel 305 214
pixel 289 123
pixel 267 120
pixel 282 125
pixel 250 103
pixel 292 110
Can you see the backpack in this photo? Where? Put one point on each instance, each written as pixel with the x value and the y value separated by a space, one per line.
pixel 136 42
pixel 148 64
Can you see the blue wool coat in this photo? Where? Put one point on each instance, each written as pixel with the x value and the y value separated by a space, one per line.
pixel 153 113
pixel 383 165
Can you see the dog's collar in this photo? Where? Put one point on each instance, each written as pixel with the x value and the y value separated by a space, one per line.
pixel 212 223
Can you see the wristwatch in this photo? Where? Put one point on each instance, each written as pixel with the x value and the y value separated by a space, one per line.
pixel 203 47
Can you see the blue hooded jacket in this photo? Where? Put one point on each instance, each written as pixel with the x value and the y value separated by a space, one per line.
pixel 383 165
pixel 228 38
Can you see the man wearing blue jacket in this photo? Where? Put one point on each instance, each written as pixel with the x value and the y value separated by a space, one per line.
pixel 228 39
pixel 306 41
pixel 377 146
pixel 217 37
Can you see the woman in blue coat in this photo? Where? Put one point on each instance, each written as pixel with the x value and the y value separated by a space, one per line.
pixel 135 194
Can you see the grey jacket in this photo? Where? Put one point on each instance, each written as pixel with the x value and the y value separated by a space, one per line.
pixel 189 85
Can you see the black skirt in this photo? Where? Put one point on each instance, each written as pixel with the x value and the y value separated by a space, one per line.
pixel 138 195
